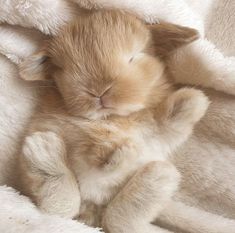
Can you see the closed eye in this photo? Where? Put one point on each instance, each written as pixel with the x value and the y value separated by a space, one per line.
pixel 106 90
pixel 98 96
pixel 91 94
pixel 131 59
pixel 136 56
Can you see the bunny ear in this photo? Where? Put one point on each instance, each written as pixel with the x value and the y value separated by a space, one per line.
pixel 167 37
pixel 35 67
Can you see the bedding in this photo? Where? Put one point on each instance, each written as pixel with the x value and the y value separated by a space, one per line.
pixel 207 161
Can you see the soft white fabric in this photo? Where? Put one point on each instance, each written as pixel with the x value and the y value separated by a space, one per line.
pixel 18 215
pixel 17 42
pixel 45 15
pixel 207 161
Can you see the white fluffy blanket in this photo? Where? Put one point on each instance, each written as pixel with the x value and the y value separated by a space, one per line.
pixel 207 162
pixel 18 215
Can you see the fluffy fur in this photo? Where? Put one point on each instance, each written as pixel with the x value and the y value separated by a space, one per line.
pixel 214 69
pixel 207 158
pixel 18 214
pixel 134 69
pixel 190 64
pixel 116 75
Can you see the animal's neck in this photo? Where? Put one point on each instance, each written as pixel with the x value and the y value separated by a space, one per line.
pixel 160 91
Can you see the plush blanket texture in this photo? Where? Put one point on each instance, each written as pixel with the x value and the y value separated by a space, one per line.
pixel 206 161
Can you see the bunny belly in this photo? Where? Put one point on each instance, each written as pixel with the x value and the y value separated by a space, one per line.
pixel 99 185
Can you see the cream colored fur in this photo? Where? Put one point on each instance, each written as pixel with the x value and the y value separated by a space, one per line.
pixel 194 191
pixel 189 65
pixel 103 154
pixel 212 65
pixel 60 193
pixel 141 198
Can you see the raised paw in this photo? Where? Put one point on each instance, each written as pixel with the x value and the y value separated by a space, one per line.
pixel 159 176
pixel 60 196
pixel 58 192
pixel 224 80
pixel 45 150
pixel 187 104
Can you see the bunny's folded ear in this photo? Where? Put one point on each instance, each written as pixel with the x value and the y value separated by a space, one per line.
pixel 167 37
pixel 35 67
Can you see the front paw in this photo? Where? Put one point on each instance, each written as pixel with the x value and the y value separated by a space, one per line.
pixel 226 79
pixel 44 150
pixel 187 104
pixel 57 192
pixel 159 176
pixel 60 196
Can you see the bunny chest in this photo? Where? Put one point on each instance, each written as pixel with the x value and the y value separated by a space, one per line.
pixel 139 145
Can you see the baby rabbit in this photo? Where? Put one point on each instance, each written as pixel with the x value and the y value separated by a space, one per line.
pixel 97 148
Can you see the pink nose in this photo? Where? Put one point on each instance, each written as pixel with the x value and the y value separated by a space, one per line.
pixel 104 101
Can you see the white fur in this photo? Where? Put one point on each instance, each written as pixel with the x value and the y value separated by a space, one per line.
pixel 148 196
pixel 147 143
pixel 60 189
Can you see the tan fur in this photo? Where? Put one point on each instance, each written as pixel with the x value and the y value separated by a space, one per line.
pixel 115 69
pixel 102 136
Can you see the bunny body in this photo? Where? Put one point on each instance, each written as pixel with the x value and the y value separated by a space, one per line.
pixel 98 148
